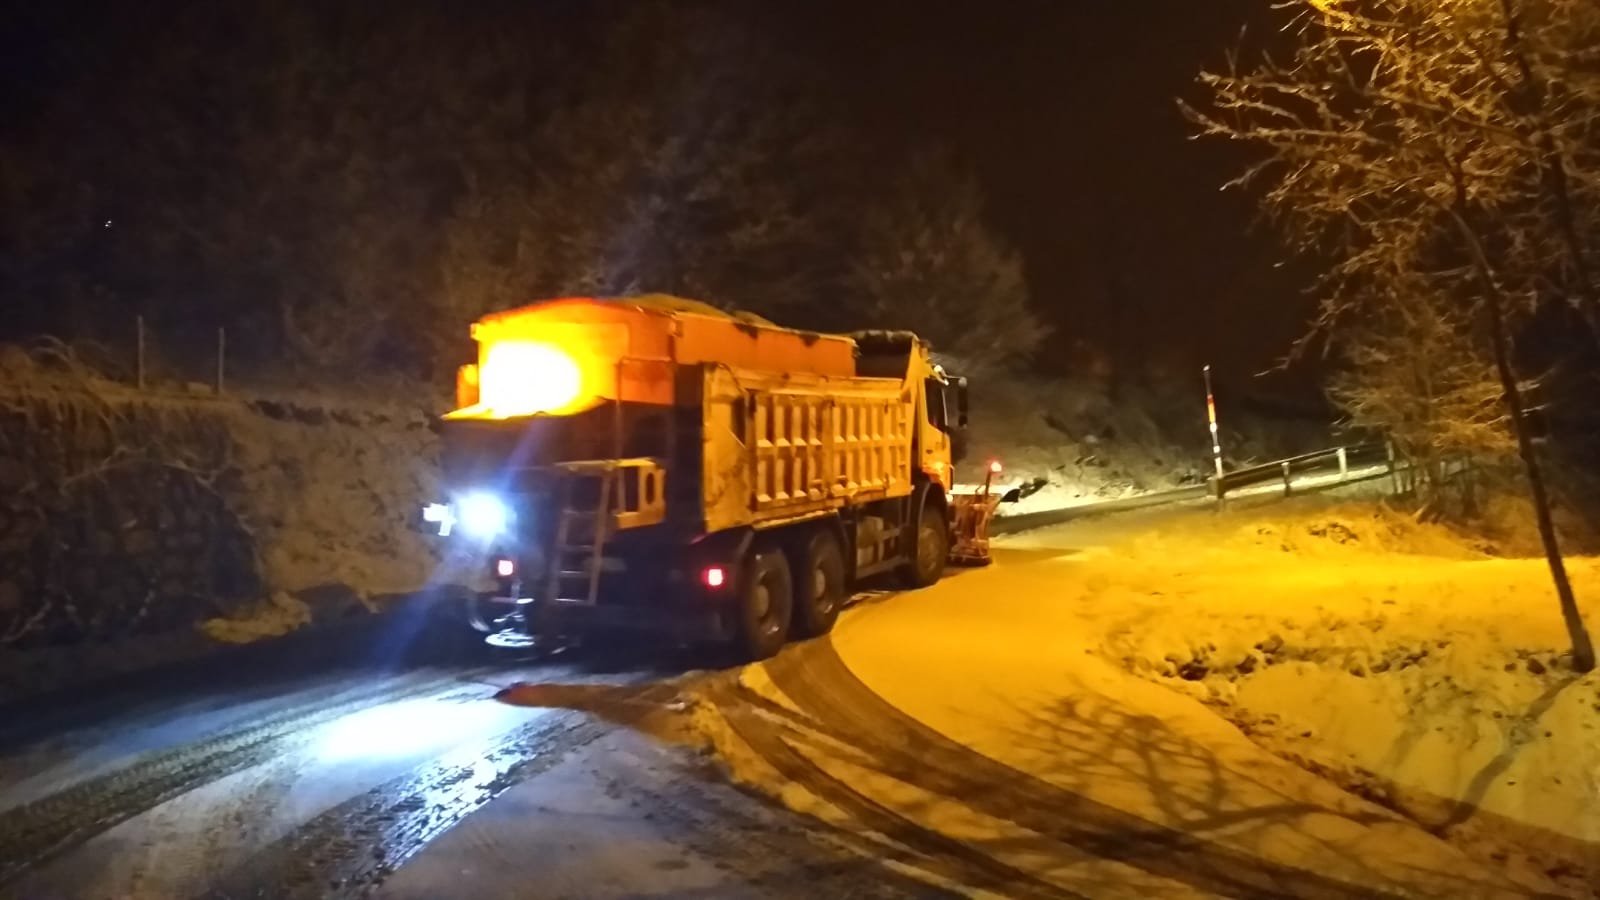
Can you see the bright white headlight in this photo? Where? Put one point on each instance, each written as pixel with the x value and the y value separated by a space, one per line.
pixel 482 515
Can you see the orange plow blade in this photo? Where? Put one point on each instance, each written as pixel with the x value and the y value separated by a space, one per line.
pixel 970 517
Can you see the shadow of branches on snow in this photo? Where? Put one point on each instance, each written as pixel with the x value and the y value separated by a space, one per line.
pixel 1101 799
pixel 1084 742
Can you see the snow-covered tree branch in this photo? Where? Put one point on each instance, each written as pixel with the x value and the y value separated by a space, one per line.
pixel 1441 159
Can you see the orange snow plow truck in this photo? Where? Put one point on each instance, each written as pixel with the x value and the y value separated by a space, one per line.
pixel 653 463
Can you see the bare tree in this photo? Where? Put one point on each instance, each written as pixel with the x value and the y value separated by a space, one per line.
pixel 687 159
pixel 682 159
pixel 1439 146
pixel 1419 374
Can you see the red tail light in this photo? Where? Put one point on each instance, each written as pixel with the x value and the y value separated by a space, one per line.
pixel 714 576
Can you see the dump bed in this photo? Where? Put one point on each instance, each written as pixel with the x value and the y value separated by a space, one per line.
pixel 750 424
pixel 779 447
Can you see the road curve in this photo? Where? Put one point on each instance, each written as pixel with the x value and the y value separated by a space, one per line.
pixel 1004 756
pixel 944 742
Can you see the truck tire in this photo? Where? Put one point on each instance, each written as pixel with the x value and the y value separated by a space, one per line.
pixel 819 585
pixel 932 547
pixel 766 603
pixel 476 608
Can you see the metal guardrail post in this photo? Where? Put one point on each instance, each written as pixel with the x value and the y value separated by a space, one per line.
pixel 1318 463
pixel 1216 438
pixel 1257 476
pixel 138 339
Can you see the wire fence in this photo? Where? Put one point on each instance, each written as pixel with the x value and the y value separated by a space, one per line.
pixel 135 353
pixel 211 369
pixel 195 359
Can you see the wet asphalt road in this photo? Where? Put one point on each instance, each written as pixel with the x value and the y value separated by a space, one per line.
pixel 313 775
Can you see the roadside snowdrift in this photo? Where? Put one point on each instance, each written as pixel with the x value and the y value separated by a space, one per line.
pixel 1300 699
pixel 139 526
pixel 992 729
pixel 1400 659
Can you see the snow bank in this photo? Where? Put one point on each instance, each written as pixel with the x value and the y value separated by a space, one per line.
pixel 994 719
pixel 332 493
pixel 1398 658
pixel 203 519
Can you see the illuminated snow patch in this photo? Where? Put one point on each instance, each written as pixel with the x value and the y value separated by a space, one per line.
pixel 406 728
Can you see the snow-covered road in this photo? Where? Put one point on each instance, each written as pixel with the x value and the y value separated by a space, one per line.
pixel 972 728
pixel 968 739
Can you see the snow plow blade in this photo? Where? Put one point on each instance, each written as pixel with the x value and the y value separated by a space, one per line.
pixel 971 514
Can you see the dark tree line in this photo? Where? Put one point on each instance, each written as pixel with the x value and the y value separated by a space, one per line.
pixel 345 186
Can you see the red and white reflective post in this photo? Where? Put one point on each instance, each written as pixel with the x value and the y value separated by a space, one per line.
pixel 1216 439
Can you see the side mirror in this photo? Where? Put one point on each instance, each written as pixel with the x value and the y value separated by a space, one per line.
pixel 961 402
pixel 959 444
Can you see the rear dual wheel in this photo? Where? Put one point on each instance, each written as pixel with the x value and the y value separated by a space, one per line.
pixel 766 603
pixel 777 598
pixel 819 586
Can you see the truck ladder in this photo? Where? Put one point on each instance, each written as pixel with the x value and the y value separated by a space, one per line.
pixel 563 550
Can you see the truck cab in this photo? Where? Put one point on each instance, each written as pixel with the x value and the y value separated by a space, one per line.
pixel 942 417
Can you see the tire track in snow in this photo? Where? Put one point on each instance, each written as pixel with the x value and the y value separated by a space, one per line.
pixel 42 829
pixel 839 705
pixel 744 838
pixel 349 849
pixel 938 853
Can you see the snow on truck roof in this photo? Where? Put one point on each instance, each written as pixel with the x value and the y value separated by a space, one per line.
pixel 667 304
pixel 873 342
pixel 675 306
pixel 661 326
pixel 878 341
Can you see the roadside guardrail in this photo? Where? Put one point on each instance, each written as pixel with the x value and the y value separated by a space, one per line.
pixel 1312 472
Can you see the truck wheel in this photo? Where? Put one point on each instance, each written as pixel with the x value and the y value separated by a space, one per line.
pixel 473 607
pixel 819 586
pixel 932 548
pixel 766 602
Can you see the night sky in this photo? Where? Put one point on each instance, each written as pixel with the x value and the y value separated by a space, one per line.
pixel 1066 111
